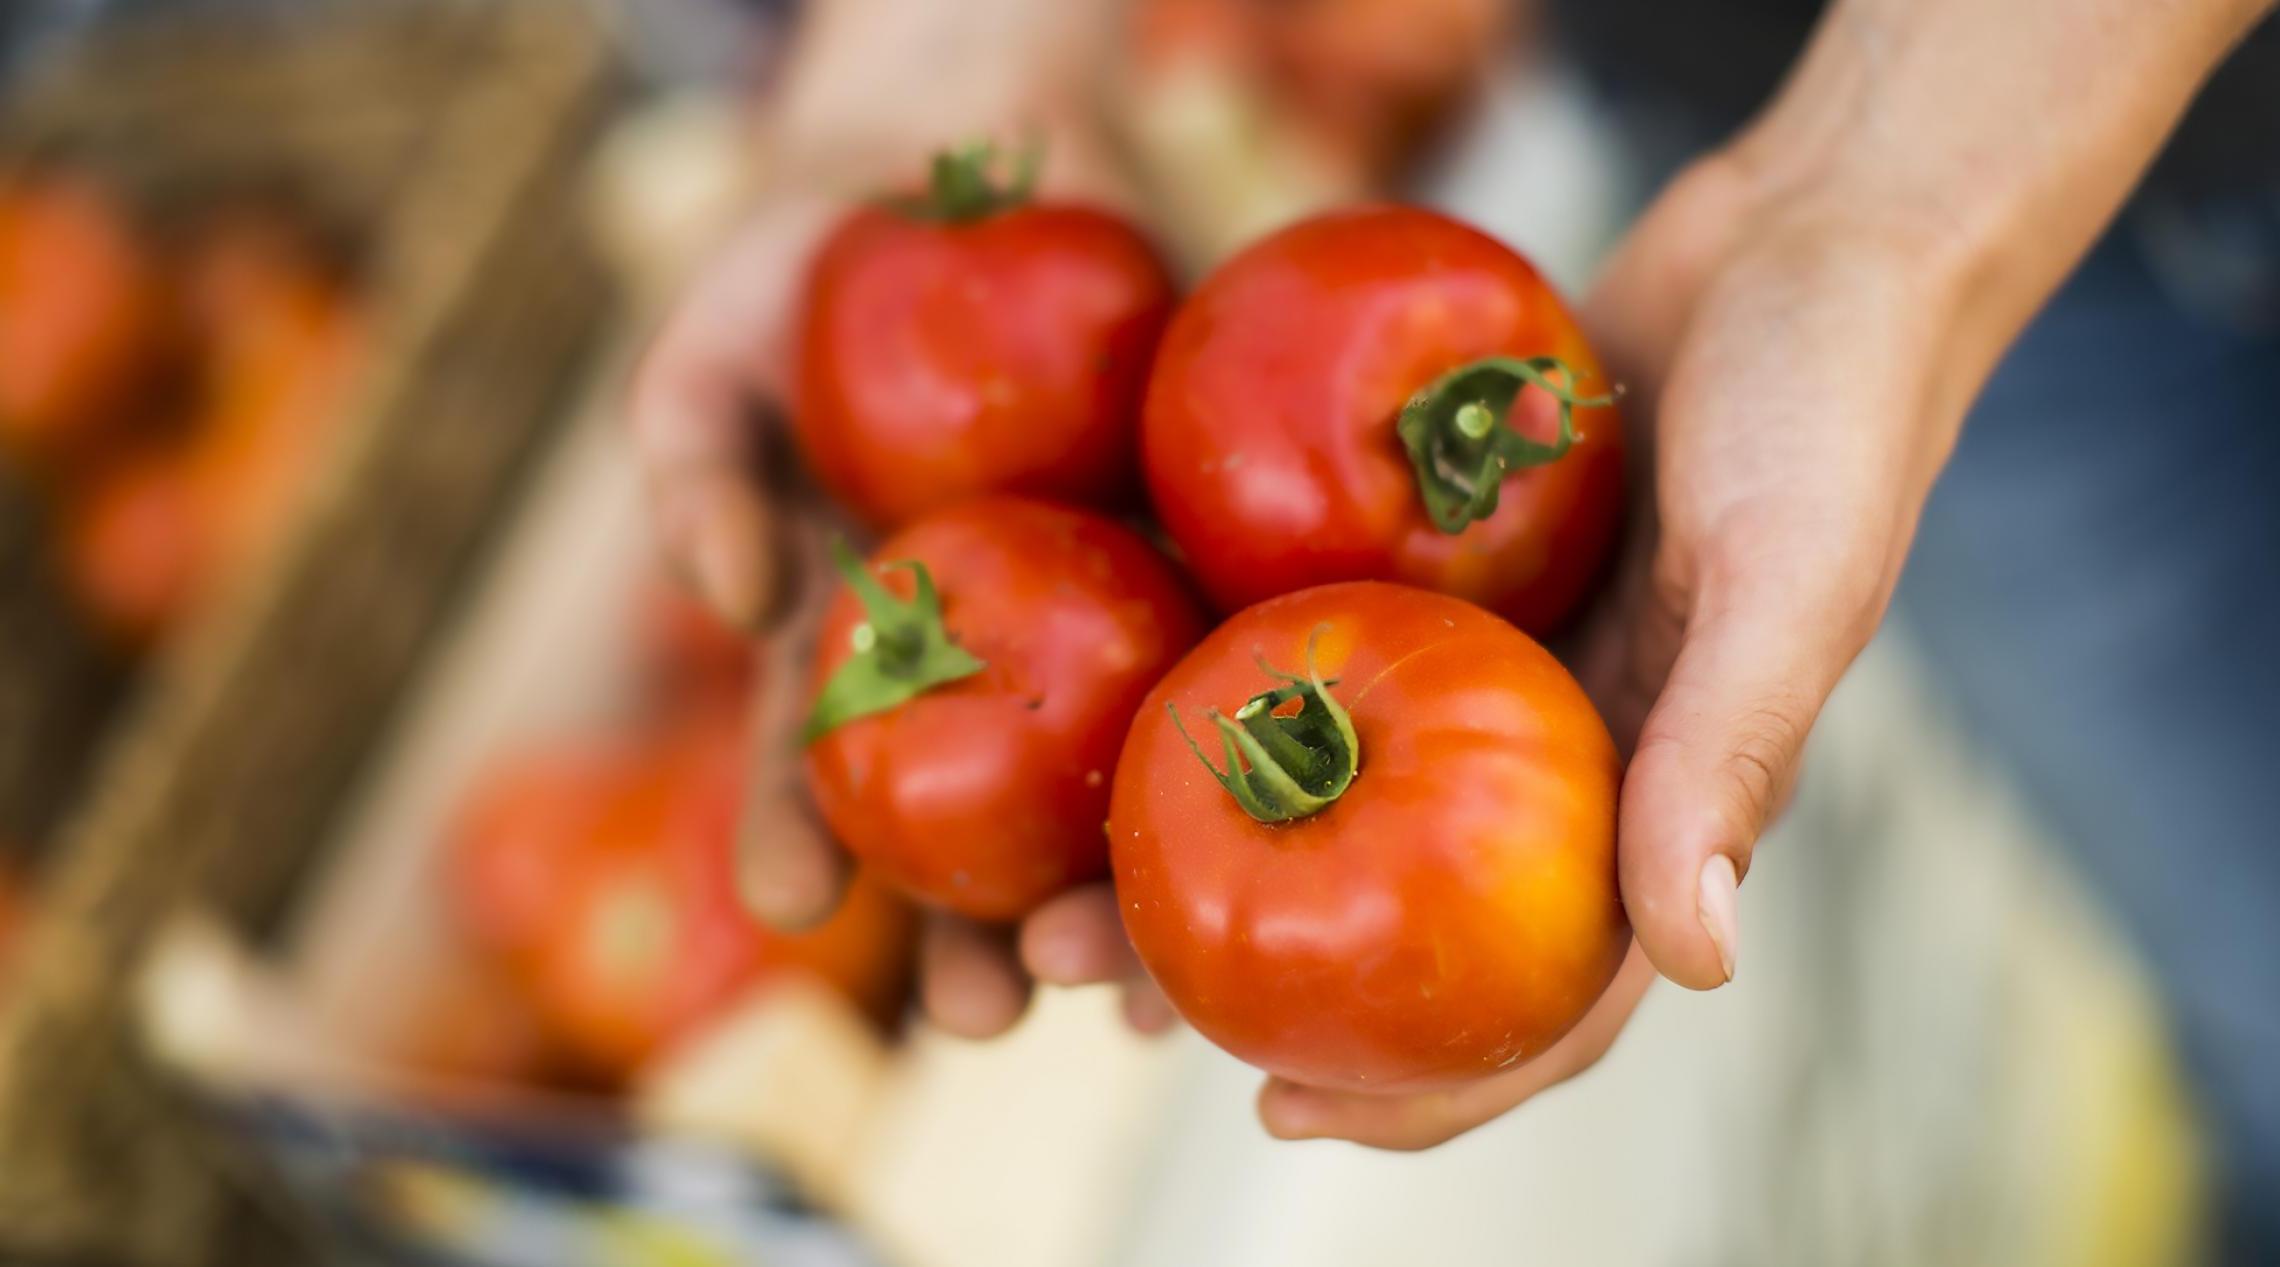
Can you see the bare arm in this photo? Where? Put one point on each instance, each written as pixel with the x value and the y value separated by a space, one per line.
pixel 1805 316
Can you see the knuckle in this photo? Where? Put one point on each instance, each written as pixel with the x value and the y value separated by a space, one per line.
pixel 1761 754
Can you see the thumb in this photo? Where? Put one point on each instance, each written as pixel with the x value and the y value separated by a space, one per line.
pixel 1717 753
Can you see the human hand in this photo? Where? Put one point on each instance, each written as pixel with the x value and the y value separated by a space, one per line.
pixel 739 522
pixel 1790 395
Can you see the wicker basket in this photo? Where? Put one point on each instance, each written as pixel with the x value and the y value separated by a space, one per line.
pixel 444 140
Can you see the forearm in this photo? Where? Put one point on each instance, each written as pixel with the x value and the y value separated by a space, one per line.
pixel 1990 142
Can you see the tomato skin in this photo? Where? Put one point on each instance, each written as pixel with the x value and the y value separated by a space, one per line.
pixel 153 532
pixel 86 322
pixel 525 819
pixel 647 939
pixel 1453 913
pixel 942 361
pixel 1268 432
pixel 137 547
pixel 986 795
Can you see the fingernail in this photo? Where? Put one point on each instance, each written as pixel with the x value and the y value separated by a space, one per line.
pixel 1716 908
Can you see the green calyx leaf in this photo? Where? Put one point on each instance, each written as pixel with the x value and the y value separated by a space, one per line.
pixel 975 181
pixel 1460 440
pixel 1281 768
pixel 902 649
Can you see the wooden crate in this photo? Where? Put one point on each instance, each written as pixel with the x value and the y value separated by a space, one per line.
pixel 444 139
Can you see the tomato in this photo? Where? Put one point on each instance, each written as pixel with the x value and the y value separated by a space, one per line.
pixel 965 756
pixel 84 317
pixel 151 533
pixel 511 845
pixel 1367 81
pixel 282 340
pixel 976 342
pixel 1273 431
pixel 1436 899
pixel 137 547
pixel 649 939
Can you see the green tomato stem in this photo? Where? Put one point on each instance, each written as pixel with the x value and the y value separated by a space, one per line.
pixel 1282 768
pixel 1461 444
pixel 964 183
pixel 902 648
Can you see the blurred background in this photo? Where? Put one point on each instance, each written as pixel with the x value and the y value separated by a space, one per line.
pixel 366 791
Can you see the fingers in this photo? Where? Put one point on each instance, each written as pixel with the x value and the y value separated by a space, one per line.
pixel 969 980
pixel 1078 939
pixel 1763 647
pixel 1407 1123
pixel 695 411
pixel 791 871
pixel 1146 1009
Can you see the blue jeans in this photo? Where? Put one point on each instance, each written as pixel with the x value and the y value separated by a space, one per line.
pixel 2098 579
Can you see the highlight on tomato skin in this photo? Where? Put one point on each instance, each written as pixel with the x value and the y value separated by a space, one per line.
pixel 600 877
pixel 1448 911
pixel 975 341
pixel 980 784
pixel 1291 437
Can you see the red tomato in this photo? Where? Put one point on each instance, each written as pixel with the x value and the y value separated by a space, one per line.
pixel 516 838
pixel 282 340
pixel 1368 80
pixel 650 939
pixel 151 533
pixel 137 547
pixel 981 787
pixel 84 318
pixel 983 344
pixel 1271 432
pixel 1448 912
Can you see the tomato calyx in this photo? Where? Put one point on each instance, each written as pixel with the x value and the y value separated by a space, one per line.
pixel 964 183
pixel 1460 440
pixel 1298 763
pixel 902 648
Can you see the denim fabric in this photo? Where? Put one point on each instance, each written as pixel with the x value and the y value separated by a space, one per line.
pixel 2098 578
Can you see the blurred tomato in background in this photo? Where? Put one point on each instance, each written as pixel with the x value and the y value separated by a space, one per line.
pixel 86 319
pixel 1368 83
pixel 605 879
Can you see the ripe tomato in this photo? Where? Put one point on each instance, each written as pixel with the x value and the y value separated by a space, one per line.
pixel 1443 910
pixel 1366 82
pixel 650 939
pixel 152 532
pixel 84 317
pixel 1277 431
pixel 137 548
pixel 975 342
pixel 282 340
pixel 511 843
pixel 965 753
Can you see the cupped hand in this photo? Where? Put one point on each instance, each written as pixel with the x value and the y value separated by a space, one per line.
pixel 1794 384
pixel 740 524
